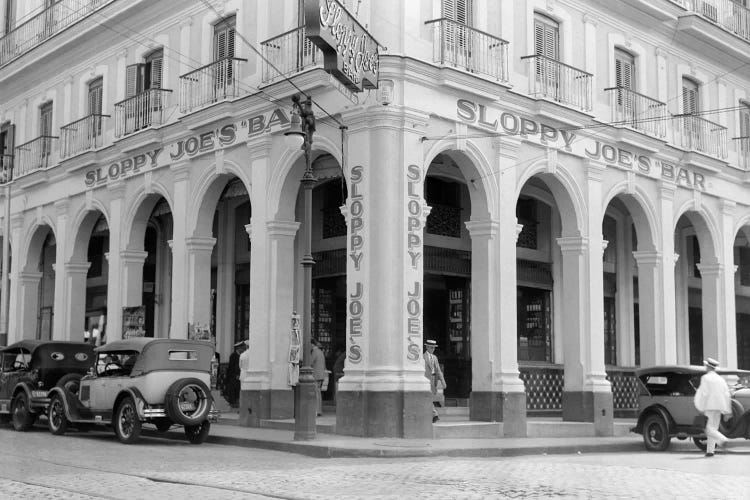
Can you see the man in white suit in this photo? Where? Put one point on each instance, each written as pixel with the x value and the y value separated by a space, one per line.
pixel 713 400
pixel 433 372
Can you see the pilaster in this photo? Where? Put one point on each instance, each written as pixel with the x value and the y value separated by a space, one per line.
pixel 198 255
pixel 714 333
pixel 74 275
pixel 60 317
pixel 178 324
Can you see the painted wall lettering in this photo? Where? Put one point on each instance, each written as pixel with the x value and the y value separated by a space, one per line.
pixel 355 322
pixel 547 135
pixel 356 214
pixel 414 322
pixel 414 218
pixel 122 168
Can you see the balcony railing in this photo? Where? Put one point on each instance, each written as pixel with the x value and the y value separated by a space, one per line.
pixel 743 148
pixel 557 81
pixel 212 83
pixel 467 48
pixel 141 111
pixel 728 14
pixel 33 155
pixel 44 25
pixel 289 53
pixel 82 135
pixel 6 168
pixel 638 111
pixel 699 134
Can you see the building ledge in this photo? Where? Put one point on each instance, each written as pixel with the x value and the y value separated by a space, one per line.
pixel 713 34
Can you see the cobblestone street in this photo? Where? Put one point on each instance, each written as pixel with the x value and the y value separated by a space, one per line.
pixel 95 465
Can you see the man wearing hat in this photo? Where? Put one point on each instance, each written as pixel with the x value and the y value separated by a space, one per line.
pixel 713 400
pixel 233 374
pixel 433 372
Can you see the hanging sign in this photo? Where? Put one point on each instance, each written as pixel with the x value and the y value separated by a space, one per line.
pixel 350 53
pixel 133 322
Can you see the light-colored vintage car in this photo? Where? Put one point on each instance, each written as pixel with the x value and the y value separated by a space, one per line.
pixel 163 382
pixel 666 409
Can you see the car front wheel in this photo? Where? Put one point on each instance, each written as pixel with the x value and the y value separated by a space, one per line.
pixel 58 423
pixel 197 434
pixel 126 423
pixel 23 419
pixel 655 433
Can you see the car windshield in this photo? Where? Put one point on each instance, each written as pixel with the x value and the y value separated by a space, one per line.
pixel 118 363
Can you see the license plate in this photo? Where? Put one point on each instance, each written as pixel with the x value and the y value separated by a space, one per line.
pixel 187 406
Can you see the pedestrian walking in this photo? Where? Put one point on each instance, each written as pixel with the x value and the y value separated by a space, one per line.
pixel 318 364
pixel 433 373
pixel 713 400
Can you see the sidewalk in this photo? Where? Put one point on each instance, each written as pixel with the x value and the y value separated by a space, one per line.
pixel 326 445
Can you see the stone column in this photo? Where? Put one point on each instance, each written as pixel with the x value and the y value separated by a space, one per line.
pixel 131 274
pixel 28 303
pixel 74 275
pixel 665 315
pixel 198 286
pixel 266 392
pixel 16 325
pixel 60 312
pixel 625 310
pixel 650 306
pixel 727 341
pixel 714 327
pixel 225 293
pixel 384 391
pixel 178 324
pixel 116 291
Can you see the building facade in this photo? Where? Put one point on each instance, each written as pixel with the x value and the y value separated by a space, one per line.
pixel 556 191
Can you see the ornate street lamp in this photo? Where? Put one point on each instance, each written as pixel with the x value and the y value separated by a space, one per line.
pixel 300 135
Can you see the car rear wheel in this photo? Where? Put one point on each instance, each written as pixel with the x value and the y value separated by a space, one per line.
pixel 197 434
pixel 188 401
pixel 23 419
pixel 58 423
pixel 126 423
pixel 70 382
pixel 701 443
pixel 655 433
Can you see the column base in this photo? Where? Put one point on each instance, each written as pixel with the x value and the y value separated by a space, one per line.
pixel 266 404
pixel 587 406
pixel 506 407
pixel 384 414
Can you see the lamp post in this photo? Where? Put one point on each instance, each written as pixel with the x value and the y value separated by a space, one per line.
pixel 300 135
pixel 6 176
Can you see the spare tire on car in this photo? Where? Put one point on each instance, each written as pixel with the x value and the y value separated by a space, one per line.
pixel 188 401
pixel 70 382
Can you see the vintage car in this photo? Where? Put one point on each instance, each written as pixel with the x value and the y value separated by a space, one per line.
pixel 163 382
pixel 30 368
pixel 666 409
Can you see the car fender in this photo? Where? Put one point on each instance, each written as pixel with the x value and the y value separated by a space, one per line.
pixel 651 410
pixel 23 387
pixel 138 398
pixel 69 403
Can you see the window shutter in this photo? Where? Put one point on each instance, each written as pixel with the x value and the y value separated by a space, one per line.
pixel 745 121
pixel 689 96
pixel 95 97
pixel 133 80
pixel 10 15
pixel 624 70
pixel 224 34
pixel 156 61
pixel 546 37
pixel 45 119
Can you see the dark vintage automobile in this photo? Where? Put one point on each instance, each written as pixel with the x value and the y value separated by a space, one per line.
pixel 666 409
pixel 163 382
pixel 30 368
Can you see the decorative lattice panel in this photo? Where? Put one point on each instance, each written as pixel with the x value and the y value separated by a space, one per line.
pixel 624 389
pixel 444 220
pixel 544 387
pixel 334 223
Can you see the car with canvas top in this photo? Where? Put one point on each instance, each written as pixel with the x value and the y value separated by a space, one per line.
pixel 141 380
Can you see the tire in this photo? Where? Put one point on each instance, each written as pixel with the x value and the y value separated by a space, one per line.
pixel 162 424
pixel 701 443
pixel 126 423
pixel 655 433
pixel 188 401
pixel 70 382
pixel 56 419
pixel 197 434
pixel 23 419
pixel 727 427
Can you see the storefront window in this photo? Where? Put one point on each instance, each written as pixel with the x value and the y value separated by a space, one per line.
pixel 534 325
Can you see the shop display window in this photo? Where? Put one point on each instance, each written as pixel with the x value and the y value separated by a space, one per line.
pixel 534 325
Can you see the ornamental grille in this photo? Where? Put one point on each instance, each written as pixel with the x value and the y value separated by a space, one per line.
pixel 444 220
pixel 625 390
pixel 334 223
pixel 527 237
pixel 329 263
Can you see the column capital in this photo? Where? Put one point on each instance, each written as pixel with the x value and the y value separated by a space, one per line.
pixel 259 147
pixel 727 206
pixel 519 229
pixel 646 257
pixel 181 170
pixel 248 230
pixel 116 190
pixel 196 244
pixel 280 228
pixel 186 23
pixel 61 206
pixel 16 221
pixel 30 277
pixel 667 190
pixel 133 256
pixel 573 244
pixel 594 171
pixel 710 269
pixel 77 267
pixel 488 228
pixel 605 244
pixel 589 19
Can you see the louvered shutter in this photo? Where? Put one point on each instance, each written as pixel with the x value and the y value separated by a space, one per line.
pixel 95 97
pixel 10 15
pixel 745 121
pixel 689 96
pixel 45 119
pixel 156 62
pixel 133 80
pixel 224 34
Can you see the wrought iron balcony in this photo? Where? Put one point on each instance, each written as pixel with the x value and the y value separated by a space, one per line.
pixel 468 48
pixel 699 134
pixel 728 14
pixel 560 82
pixel 141 111
pixel 631 109
pixel 211 83
pixel 6 168
pixel 743 149
pixel 44 25
pixel 33 155
pixel 82 135
pixel 289 53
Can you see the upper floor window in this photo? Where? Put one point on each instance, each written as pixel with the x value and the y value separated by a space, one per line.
pixel 6 139
pixel 460 11
pixel 744 119
pixel 624 70
pixel 146 75
pixel 95 96
pixel 690 102
pixel 10 16
pixel 546 37
pixel 224 35
pixel 45 119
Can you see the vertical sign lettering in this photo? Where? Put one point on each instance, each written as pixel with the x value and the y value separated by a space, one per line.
pixel 414 249
pixel 356 242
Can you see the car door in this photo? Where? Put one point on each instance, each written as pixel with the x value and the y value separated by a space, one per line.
pixel 679 402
